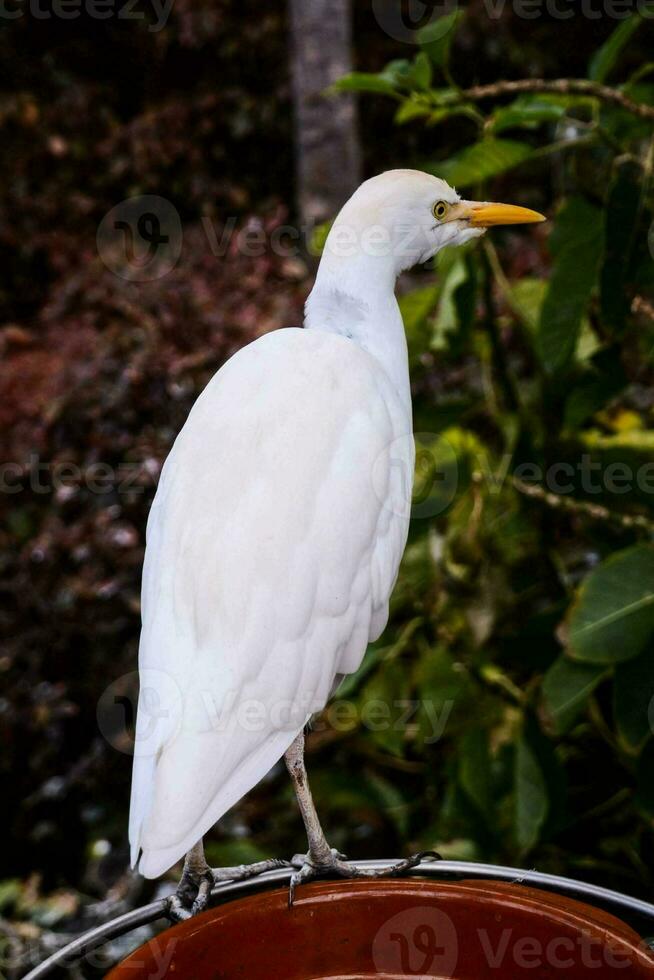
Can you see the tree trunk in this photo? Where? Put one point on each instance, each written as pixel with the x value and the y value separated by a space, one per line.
pixel 328 158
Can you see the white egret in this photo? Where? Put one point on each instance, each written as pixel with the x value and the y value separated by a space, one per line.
pixel 275 536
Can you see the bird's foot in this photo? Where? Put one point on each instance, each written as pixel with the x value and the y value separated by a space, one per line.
pixel 309 867
pixel 191 896
pixel 194 890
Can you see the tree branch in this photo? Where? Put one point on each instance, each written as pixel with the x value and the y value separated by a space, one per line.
pixel 596 511
pixel 560 86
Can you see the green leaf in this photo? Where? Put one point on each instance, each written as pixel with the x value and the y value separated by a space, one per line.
pixel 446 321
pixel 436 38
pixel 465 300
pixel 561 100
pixel 641 72
pixel 531 798
pixel 584 400
pixel 641 92
pixel 594 389
pixel 359 81
pixel 422 73
pixel 633 700
pixel 481 161
pixel 344 789
pixel 381 705
pixel 391 800
pixel 622 211
pixel 410 110
pixel 398 73
pixel 416 308
pixel 576 244
pixel 475 769
pixel 567 685
pixel 527 112
pixel 402 75
pixel 417 305
pixel 415 107
pixel 528 295
pixel 448 112
pixel 605 58
pixel 612 618
pixel 554 774
pixel 445 696
pixel 588 343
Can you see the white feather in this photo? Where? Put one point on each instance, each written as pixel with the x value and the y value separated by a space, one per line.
pixel 271 554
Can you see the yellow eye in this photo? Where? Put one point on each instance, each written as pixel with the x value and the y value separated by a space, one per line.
pixel 440 209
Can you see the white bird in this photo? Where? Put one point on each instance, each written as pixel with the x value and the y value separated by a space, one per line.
pixel 276 533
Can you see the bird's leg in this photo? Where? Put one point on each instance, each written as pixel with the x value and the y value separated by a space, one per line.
pixel 194 889
pixel 321 858
pixel 320 853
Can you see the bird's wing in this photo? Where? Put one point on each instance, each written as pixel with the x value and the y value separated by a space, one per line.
pixel 272 548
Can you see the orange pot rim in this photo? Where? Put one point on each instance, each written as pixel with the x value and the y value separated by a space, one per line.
pixel 628 909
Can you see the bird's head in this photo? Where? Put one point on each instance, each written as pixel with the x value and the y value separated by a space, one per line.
pixel 407 216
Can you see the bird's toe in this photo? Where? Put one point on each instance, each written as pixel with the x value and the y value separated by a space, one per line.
pixel 191 897
pixel 307 872
pixel 203 894
pixel 416 859
pixel 177 910
pixel 308 867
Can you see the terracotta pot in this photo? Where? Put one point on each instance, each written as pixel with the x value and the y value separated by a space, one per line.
pixel 466 930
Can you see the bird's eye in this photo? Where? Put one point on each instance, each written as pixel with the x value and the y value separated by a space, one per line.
pixel 440 209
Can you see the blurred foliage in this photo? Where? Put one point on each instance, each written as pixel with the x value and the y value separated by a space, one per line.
pixel 505 713
pixel 529 577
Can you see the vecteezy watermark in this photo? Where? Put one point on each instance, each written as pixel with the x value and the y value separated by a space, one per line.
pixel 427 486
pixel 425 941
pixel 64 479
pixel 403 21
pixel 141 726
pixel 417 942
pixel 140 239
pixel 424 21
pixel 567 9
pixel 156 12
pixel 18 955
pixel 414 475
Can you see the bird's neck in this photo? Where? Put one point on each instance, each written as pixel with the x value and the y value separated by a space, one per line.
pixel 356 299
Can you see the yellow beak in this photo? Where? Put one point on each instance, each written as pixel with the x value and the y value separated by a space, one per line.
pixel 483 214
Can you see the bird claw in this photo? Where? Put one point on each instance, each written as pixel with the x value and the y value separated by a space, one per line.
pixel 309 869
pixel 194 890
pixel 204 893
pixel 176 910
pixel 191 897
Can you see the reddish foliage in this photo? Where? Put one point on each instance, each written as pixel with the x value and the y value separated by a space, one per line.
pixel 90 399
